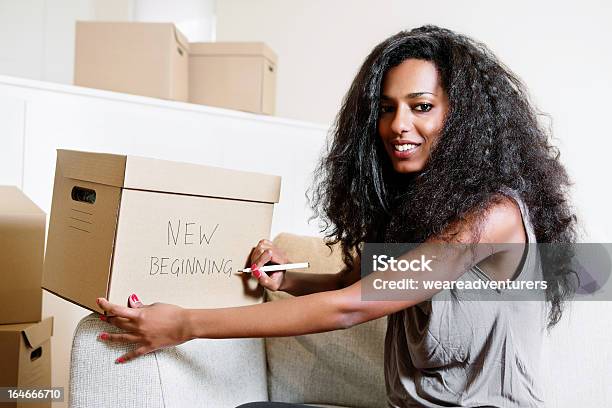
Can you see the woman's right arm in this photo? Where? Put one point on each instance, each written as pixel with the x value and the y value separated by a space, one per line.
pixel 298 283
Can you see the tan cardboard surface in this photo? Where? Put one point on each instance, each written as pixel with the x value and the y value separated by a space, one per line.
pixel 233 48
pixel 186 178
pixel 100 168
pixel 22 240
pixel 141 173
pixel 80 242
pixel 36 334
pixel 24 365
pixel 108 247
pixel 149 59
pixel 15 202
pixel 179 80
pixel 239 76
pixel 185 250
pixel 9 349
pixel 268 93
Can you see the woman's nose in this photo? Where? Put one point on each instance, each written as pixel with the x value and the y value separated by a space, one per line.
pixel 402 121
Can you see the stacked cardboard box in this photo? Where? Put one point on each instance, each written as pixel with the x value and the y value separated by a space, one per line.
pixel 155 59
pixel 233 75
pixel 24 338
pixel 149 59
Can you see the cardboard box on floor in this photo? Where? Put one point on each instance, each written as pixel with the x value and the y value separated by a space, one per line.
pixel 26 357
pixel 170 232
pixel 22 245
pixel 148 59
pixel 233 75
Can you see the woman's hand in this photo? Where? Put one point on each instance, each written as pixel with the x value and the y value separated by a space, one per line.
pixel 151 326
pixel 265 252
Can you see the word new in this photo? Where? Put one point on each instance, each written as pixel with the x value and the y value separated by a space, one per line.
pixel 187 233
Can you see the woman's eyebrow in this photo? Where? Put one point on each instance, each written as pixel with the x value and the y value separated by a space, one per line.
pixel 411 95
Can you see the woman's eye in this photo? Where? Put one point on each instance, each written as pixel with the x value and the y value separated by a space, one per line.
pixel 423 107
pixel 386 109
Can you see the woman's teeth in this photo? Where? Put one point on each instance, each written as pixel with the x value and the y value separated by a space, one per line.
pixel 404 147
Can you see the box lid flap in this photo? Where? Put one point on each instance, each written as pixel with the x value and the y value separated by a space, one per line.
pixel 34 333
pixel 38 333
pixel 181 39
pixel 194 179
pixel 103 168
pixel 14 201
pixel 233 48
pixel 141 173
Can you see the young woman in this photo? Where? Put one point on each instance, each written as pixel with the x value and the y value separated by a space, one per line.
pixel 436 141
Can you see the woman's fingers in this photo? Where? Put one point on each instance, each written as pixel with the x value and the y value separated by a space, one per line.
pixel 261 276
pixel 120 322
pixel 265 252
pixel 272 282
pixel 264 258
pixel 259 249
pixel 154 326
pixel 117 310
pixel 119 337
pixel 137 352
pixel 134 301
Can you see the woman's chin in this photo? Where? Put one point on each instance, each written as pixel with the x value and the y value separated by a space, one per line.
pixel 406 167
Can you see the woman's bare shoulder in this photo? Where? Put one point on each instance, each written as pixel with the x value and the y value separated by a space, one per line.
pixel 500 222
pixel 503 222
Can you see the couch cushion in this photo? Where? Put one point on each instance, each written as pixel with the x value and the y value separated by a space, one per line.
pixel 199 373
pixel 93 372
pixel 343 367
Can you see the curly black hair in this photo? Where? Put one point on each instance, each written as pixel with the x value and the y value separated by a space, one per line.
pixel 491 139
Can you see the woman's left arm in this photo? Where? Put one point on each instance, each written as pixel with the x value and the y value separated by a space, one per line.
pixel 161 325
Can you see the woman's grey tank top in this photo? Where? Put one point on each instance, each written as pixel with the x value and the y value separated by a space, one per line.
pixel 448 352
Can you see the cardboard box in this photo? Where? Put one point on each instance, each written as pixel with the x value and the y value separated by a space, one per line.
pixel 169 232
pixel 22 245
pixel 149 59
pixel 26 357
pixel 239 76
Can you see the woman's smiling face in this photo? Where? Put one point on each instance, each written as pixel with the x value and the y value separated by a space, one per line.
pixel 413 107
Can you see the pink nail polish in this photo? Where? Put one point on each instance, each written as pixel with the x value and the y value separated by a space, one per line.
pixel 120 360
pixel 103 318
pixel 135 298
pixel 104 336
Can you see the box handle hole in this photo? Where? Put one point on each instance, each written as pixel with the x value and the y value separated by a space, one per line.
pixel 36 354
pixel 180 51
pixel 270 68
pixel 83 195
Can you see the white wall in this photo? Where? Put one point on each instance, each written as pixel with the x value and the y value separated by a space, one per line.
pixel 561 50
pixel 194 18
pixel 37 36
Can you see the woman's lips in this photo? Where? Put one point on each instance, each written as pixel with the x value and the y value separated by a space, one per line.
pixel 406 153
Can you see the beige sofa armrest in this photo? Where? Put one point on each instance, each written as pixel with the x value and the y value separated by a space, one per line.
pixel 202 372
pixel 339 368
pixel 310 249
